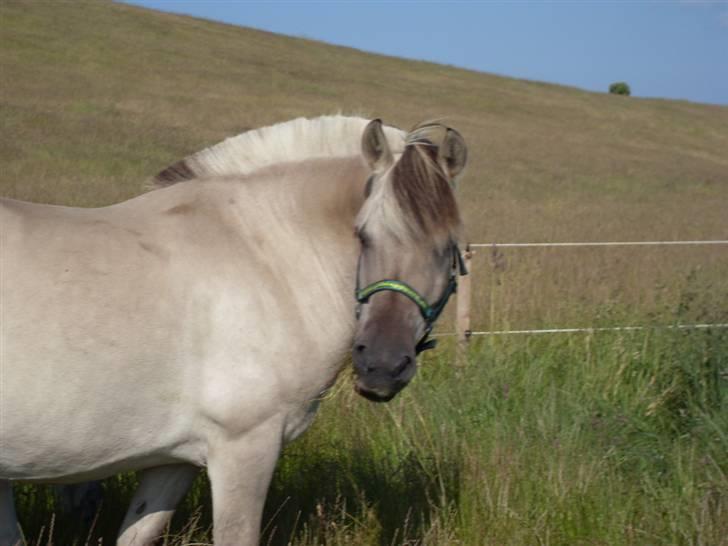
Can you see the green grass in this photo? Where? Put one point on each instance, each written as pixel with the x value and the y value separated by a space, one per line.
pixel 604 439
pixel 601 439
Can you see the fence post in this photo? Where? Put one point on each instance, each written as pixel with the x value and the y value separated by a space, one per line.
pixel 462 312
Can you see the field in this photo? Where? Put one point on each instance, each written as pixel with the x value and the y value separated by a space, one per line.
pixel 589 439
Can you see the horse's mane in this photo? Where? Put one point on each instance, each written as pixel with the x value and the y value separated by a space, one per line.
pixel 418 202
pixel 295 140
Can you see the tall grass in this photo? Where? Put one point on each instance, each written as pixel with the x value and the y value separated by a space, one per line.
pixel 564 287
pixel 582 439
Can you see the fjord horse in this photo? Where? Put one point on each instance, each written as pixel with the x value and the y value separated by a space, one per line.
pixel 198 324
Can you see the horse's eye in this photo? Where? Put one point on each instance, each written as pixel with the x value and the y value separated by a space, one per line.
pixel 363 238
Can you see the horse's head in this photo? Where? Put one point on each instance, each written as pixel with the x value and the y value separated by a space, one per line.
pixel 409 259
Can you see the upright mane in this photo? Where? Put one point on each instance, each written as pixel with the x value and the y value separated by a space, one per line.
pixel 295 140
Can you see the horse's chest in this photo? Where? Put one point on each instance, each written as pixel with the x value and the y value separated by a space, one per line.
pixel 277 370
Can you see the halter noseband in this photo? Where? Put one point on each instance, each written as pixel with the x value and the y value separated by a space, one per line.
pixel 430 313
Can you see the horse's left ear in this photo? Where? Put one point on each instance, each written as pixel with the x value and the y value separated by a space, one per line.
pixel 375 147
pixel 453 153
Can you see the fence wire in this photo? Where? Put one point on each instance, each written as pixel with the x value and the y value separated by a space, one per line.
pixel 588 330
pixel 607 243
pixel 470 246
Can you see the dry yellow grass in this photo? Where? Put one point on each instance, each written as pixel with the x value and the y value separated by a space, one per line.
pixel 96 97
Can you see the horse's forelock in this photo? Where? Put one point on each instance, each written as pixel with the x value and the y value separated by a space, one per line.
pixel 424 193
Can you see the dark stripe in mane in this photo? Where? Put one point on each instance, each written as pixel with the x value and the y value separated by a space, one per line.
pixel 423 190
pixel 177 172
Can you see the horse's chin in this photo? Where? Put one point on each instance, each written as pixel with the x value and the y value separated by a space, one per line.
pixel 373 396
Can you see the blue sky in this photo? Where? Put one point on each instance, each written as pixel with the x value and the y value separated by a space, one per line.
pixel 662 49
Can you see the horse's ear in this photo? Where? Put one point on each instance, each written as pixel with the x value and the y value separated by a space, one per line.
pixel 453 153
pixel 375 147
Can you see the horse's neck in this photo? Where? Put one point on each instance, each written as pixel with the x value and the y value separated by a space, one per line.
pixel 310 209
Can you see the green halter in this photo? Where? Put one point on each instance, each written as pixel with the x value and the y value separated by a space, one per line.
pixel 430 313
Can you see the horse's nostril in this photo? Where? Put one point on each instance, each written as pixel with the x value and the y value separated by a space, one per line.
pixel 402 365
pixel 360 348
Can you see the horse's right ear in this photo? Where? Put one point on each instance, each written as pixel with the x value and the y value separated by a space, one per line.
pixel 375 147
pixel 453 153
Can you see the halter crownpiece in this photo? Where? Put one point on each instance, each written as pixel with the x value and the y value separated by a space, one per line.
pixel 430 313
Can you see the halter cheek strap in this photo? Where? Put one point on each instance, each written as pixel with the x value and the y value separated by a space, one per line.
pixel 430 313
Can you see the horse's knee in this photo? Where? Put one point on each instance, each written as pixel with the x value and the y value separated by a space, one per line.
pixel 146 530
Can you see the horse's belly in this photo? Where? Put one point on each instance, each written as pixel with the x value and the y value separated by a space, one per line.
pixel 36 453
pixel 50 433
pixel 94 404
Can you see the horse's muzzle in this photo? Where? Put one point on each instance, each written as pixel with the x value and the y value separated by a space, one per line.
pixel 382 373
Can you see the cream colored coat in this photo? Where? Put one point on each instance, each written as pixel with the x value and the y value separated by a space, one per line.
pixel 193 326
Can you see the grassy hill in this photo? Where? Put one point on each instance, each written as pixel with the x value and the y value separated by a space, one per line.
pixel 614 439
pixel 97 96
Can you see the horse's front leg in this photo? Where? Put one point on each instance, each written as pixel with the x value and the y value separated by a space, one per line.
pixel 240 471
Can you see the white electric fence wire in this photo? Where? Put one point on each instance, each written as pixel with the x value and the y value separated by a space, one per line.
pixel 590 330
pixel 613 243
pixel 598 329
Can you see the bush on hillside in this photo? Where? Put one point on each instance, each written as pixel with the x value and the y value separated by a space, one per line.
pixel 620 88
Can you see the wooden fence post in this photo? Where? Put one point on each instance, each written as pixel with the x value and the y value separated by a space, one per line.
pixel 462 312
